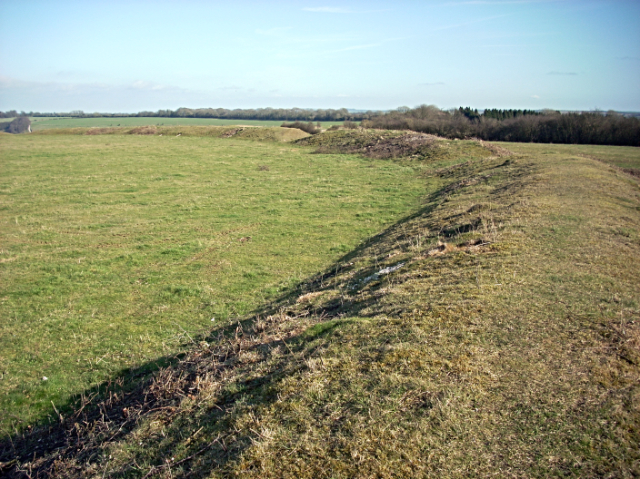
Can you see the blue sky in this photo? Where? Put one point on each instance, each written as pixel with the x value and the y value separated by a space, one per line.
pixel 129 56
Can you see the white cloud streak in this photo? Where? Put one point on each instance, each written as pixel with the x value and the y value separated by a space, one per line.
pixel 328 10
pixel 464 24
pixel 355 47
pixel 341 10
pixel 271 32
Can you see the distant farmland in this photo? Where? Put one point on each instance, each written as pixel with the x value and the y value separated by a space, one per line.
pixel 42 123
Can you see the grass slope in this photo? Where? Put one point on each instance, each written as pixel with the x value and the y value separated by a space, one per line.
pixel 494 333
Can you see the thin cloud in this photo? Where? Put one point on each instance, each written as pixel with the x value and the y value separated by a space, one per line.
pixel 432 84
pixel 8 83
pixel 341 10
pixel 356 47
pixel 68 73
pixel 146 85
pixel 363 46
pixel 464 24
pixel 509 45
pixel 572 74
pixel 494 35
pixel 273 31
pixel 536 97
pixel 328 10
pixel 628 58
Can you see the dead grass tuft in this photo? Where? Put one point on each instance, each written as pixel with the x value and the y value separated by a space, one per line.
pixel 97 131
pixel 309 297
pixel 497 150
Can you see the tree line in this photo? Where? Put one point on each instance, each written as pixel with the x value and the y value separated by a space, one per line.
pixel 274 114
pixel 547 126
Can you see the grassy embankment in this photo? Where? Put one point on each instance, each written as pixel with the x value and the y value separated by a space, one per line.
pixel 42 123
pixel 494 332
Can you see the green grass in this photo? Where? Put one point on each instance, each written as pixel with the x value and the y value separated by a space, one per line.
pixel 42 123
pixel 114 247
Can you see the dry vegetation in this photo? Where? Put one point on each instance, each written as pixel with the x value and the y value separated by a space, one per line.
pixel 495 333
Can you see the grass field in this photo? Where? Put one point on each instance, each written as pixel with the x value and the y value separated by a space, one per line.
pixel 625 157
pixel 114 247
pixel 42 123
pixel 490 329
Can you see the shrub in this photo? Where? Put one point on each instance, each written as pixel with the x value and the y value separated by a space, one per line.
pixel 308 127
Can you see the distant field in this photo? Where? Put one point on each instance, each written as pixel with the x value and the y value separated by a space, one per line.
pixel 117 249
pixel 41 123
pixel 626 157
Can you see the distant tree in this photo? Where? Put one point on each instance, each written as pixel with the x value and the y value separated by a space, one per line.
pixel 548 126
pixel 469 113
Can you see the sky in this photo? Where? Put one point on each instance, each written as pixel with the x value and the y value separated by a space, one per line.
pixel 128 56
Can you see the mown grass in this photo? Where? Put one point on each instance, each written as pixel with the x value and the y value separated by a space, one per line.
pixel 117 249
pixel 494 332
pixel 42 123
